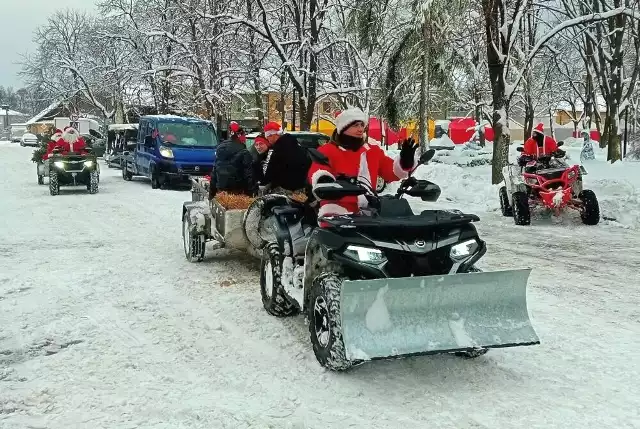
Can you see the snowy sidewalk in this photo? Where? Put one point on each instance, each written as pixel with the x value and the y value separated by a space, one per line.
pixel 103 324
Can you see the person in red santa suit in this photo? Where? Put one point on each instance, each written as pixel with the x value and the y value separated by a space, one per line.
pixel 349 155
pixel 73 142
pixel 54 141
pixel 539 144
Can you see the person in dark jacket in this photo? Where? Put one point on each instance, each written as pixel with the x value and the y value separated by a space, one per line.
pixel 288 163
pixel 259 151
pixel 233 171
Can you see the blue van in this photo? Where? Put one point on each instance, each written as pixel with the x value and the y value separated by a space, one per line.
pixel 170 149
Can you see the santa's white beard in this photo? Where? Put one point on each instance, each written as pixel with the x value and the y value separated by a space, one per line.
pixel 71 138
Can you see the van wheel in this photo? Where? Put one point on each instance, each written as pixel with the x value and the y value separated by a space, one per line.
pixel 155 179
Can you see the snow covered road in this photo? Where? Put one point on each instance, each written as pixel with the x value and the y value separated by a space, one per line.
pixel 103 324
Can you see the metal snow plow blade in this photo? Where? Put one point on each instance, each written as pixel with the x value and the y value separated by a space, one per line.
pixel 435 314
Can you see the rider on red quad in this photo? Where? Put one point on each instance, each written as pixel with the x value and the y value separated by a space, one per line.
pixel 349 155
pixel 539 145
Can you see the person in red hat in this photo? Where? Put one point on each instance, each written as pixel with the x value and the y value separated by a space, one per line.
pixel 233 170
pixel 54 141
pixel 349 155
pixel 288 162
pixel 539 144
pixel 72 141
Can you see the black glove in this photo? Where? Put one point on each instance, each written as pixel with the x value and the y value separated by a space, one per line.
pixel 559 153
pixel 408 153
pixel 325 179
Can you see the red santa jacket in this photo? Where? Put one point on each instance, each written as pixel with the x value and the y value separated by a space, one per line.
pixel 78 146
pixel 52 145
pixel 531 147
pixel 367 163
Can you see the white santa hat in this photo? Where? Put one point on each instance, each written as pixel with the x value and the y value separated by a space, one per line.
pixel 349 117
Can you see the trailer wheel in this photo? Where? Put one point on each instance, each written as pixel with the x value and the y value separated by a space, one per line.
pixel 325 324
pixel 274 299
pixel 194 245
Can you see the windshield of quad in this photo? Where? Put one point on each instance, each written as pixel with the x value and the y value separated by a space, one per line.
pixel 187 134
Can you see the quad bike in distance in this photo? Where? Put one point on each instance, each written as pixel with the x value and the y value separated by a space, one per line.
pixel 393 283
pixel 73 169
pixel 546 182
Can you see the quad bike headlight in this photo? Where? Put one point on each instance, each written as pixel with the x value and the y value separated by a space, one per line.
pixel 88 163
pixel 462 251
pixel 59 164
pixel 365 254
pixel 166 152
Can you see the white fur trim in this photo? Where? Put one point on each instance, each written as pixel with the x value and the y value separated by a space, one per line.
pixel 398 170
pixel 318 174
pixel 363 203
pixel 348 117
pixel 272 133
pixel 332 209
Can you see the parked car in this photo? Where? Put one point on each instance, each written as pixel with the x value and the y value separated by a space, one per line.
pixel 305 138
pixel 29 139
pixel 170 149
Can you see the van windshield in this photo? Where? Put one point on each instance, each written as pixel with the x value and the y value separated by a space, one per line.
pixel 187 134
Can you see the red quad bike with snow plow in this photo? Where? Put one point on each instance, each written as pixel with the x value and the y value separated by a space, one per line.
pixel 546 182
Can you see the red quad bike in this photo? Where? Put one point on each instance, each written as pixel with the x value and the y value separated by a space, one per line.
pixel 547 182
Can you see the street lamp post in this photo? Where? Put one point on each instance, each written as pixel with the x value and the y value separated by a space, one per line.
pixel 6 115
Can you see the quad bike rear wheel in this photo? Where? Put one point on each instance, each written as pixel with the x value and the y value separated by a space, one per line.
pixel 590 211
pixel 325 324
pixel 521 209
pixel 274 299
pixel 505 207
pixel 54 185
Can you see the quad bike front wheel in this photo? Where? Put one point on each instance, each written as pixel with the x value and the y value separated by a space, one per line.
pixel 505 207
pixel 54 185
pixel 521 209
pixel 274 299
pixel 94 180
pixel 325 324
pixel 590 210
pixel 194 245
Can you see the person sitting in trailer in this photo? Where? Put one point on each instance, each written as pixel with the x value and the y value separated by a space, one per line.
pixel 54 141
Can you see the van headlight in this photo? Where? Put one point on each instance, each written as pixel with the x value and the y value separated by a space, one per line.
pixel 461 251
pixel 59 164
pixel 88 163
pixel 365 254
pixel 166 152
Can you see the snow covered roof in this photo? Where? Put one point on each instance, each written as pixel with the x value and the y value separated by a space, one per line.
pixel 4 112
pixel 44 112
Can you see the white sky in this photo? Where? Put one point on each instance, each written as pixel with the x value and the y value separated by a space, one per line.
pixel 18 20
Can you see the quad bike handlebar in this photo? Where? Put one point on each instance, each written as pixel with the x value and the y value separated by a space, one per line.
pixel 352 186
